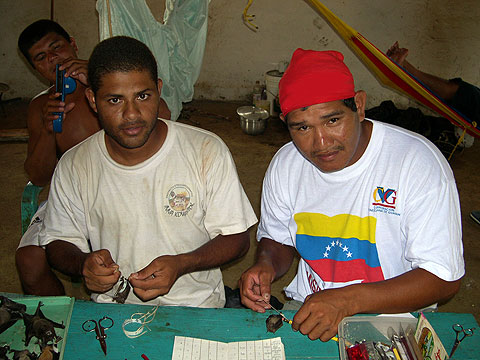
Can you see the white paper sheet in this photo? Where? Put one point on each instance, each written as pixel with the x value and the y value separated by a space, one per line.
pixel 187 348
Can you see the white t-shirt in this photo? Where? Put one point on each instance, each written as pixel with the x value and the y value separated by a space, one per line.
pixel 394 210
pixel 176 201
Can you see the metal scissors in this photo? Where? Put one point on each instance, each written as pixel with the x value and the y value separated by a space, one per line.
pixel 460 330
pixel 99 328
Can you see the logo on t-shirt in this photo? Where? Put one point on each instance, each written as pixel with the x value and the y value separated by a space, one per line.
pixel 384 200
pixel 179 199
pixel 340 249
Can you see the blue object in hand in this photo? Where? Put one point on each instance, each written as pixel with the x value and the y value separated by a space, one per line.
pixel 64 86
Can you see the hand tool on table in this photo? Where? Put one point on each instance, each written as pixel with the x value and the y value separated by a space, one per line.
pixel 290 321
pixel 279 313
pixel 458 339
pixel 99 328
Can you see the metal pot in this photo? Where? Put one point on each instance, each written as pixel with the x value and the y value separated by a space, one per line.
pixel 253 120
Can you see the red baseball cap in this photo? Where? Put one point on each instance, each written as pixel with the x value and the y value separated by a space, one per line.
pixel 314 77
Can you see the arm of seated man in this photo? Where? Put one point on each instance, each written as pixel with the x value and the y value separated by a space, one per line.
pixel 322 311
pixel 159 276
pixel 97 268
pixel 42 149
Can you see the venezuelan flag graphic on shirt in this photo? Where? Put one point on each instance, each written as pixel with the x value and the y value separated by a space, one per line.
pixel 340 248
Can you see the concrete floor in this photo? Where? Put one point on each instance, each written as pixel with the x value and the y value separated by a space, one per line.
pixel 252 155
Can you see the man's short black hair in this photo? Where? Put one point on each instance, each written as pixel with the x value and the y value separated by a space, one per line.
pixel 119 54
pixel 35 31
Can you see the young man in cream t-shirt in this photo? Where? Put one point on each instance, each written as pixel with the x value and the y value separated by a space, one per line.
pixel 157 202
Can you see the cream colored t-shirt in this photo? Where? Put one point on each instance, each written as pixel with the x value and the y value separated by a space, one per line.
pixel 174 202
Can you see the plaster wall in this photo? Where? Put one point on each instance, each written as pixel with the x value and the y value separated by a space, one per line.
pixel 443 37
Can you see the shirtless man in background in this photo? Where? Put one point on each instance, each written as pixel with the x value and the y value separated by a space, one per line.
pixel 45 44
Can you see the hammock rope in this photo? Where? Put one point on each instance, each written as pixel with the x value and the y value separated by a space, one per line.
pixel 460 140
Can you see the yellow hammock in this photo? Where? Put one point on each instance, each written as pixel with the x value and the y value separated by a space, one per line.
pixel 393 75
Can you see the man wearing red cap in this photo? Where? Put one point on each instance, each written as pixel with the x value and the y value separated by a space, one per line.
pixel 371 209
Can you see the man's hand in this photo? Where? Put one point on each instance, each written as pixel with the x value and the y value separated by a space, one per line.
pixel 100 271
pixel 77 69
pixel 397 54
pixel 255 286
pixel 273 260
pixel 321 313
pixel 157 278
pixel 51 106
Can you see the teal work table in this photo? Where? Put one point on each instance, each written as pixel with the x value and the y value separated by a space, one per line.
pixel 225 325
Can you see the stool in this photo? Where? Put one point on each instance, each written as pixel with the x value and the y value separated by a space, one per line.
pixel 3 88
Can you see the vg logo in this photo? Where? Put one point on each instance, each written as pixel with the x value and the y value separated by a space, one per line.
pixel 384 197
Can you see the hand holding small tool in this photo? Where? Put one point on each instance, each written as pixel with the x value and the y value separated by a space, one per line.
pixel 280 313
pixel 100 271
pixel 287 320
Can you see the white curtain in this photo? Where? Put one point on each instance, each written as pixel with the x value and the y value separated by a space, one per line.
pixel 177 44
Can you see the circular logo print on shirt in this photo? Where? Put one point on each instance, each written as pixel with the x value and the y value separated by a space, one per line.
pixel 179 198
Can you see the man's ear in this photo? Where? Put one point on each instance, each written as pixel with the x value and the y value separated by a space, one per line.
pixel 91 98
pixel 74 44
pixel 360 102
pixel 282 118
pixel 159 86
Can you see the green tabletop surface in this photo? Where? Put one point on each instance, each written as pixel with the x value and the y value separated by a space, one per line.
pixel 225 325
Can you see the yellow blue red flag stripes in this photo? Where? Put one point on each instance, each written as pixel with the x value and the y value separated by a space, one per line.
pixel 393 75
pixel 340 248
